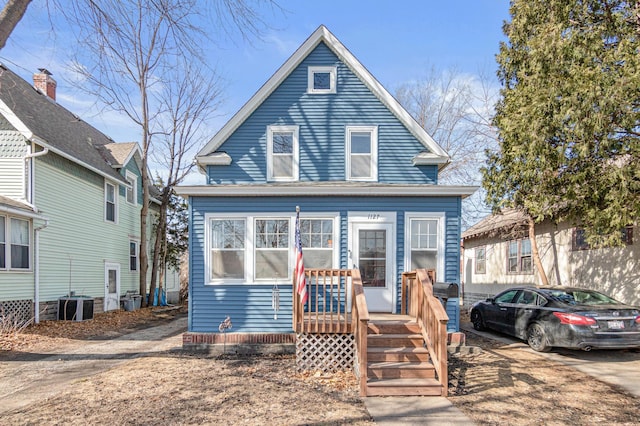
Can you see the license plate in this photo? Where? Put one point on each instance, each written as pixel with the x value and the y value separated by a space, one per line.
pixel 615 325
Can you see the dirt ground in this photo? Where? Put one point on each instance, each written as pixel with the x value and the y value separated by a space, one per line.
pixel 500 385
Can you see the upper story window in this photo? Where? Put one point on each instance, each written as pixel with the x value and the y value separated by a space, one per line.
pixel 282 153
pixel 321 80
pixel 132 189
pixel 110 203
pixel 519 256
pixel 15 243
pixel 579 240
pixel 362 153
pixel 481 260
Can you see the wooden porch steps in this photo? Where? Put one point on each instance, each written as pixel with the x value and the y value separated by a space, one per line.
pixel 397 362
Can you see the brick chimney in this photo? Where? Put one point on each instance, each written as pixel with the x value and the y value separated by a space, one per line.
pixel 45 83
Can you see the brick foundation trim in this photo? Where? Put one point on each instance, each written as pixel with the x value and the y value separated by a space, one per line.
pixel 237 338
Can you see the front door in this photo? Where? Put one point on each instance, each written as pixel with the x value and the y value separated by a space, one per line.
pixel 111 286
pixel 372 253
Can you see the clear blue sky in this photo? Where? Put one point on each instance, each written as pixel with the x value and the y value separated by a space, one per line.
pixel 396 40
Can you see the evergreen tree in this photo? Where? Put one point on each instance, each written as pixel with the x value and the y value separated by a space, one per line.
pixel 568 118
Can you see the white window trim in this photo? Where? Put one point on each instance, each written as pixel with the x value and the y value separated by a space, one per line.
pixel 333 73
pixel 440 217
pixel 8 244
pixel 137 243
pixel 294 172
pixel 134 187
pixel 249 248
pixel 374 152
pixel 116 196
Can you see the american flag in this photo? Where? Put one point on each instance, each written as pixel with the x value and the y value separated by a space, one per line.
pixel 301 280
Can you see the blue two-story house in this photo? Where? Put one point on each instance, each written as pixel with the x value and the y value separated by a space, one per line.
pixel 321 134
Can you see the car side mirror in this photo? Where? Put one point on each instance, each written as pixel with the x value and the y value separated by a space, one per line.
pixel 491 300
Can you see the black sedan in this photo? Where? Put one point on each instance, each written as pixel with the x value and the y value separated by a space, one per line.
pixel 565 317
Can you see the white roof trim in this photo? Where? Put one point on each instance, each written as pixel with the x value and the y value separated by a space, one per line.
pixel 14 211
pixel 319 35
pixel 262 190
pixel 428 159
pixel 15 121
pixel 214 159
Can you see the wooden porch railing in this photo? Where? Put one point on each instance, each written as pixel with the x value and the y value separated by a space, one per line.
pixel 418 301
pixel 328 309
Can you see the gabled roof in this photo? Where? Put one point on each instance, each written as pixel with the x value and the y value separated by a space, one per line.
pixel 50 125
pixel 322 34
pixel 119 154
pixel 494 224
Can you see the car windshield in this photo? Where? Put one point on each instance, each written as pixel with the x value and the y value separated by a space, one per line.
pixel 582 297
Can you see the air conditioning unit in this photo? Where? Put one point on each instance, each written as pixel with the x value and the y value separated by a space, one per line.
pixel 75 308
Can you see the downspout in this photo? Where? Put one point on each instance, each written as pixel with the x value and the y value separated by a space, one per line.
pixel 36 267
pixel 36 231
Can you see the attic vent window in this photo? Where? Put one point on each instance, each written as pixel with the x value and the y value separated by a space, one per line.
pixel 322 80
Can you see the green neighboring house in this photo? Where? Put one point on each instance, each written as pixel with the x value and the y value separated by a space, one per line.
pixel 70 201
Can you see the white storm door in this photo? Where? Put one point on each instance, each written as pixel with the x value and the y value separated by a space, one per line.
pixel 372 253
pixel 111 286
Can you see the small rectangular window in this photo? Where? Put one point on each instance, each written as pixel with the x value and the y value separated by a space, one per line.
pixel 132 189
pixel 282 153
pixel 362 153
pixel 321 80
pixel 3 243
pixel 20 244
pixel 110 202
pixel 272 249
pixel 227 248
pixel 579 240
pixel 133 255
pixel 481 260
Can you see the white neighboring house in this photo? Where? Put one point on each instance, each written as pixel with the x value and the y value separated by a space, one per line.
pixel 497 255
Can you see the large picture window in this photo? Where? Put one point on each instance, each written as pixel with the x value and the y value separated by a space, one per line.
pixel 282 153
pixel 228 248
pixel 519 256
pixel 362 153
pixel 242 248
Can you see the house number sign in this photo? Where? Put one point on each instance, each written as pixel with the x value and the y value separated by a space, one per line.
pixel 373 216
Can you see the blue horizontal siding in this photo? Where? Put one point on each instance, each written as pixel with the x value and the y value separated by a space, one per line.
pixel 249 305
pixel 322 120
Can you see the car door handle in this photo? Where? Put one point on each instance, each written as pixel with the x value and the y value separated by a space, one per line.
pixel 503 309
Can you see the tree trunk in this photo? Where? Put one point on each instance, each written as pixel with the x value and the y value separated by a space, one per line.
pixel 10 16
pixel 144 212
pixel 535 253
pixel 160 236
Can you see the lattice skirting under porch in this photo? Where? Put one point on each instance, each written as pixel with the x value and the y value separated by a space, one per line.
pixel 326 352
pixel 18 312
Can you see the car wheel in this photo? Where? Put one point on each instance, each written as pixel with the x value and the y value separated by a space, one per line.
pixel 476 320
pixel 537 339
